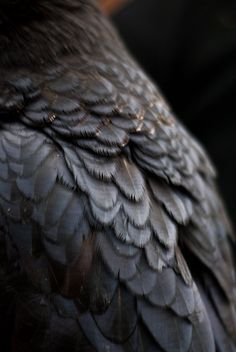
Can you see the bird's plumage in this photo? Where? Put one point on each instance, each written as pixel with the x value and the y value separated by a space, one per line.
pixel 113 236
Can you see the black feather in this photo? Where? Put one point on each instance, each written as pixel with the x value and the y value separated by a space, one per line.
pixel 106 202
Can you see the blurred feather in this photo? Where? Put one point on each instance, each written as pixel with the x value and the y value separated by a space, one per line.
pixel 120 266
pixel 163 293
pixel 179 333
pixel 144 280
pixel 115 324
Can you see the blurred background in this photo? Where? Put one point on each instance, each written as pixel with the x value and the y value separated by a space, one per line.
pixel 189 50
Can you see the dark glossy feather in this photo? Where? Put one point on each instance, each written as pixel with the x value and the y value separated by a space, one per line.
pixel 179 333
pixel 108 207
pixel 115 323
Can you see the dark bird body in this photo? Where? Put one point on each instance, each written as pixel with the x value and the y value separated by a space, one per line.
pixel 113 236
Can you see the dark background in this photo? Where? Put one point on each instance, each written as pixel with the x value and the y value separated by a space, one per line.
pixel 189 48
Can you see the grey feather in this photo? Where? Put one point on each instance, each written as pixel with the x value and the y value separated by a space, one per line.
pixel 144 280
pixel 103 194
pixel 137 212
pixel 184 303
pixel 178 205
pixel 179 333
pixel 120 266
pixel 163 227
pixel 129 179
pixel 139 236
pixel 163 293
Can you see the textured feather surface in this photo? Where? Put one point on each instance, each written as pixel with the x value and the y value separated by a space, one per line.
pixel 106 202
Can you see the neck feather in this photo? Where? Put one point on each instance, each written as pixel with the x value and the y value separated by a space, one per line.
pixel 32 32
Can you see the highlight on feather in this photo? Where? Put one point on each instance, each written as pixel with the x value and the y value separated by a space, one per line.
pixel 111 6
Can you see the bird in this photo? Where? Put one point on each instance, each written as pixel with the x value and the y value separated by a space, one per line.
pixel 113 234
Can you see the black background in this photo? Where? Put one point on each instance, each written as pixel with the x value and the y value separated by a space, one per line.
pixel 189 49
